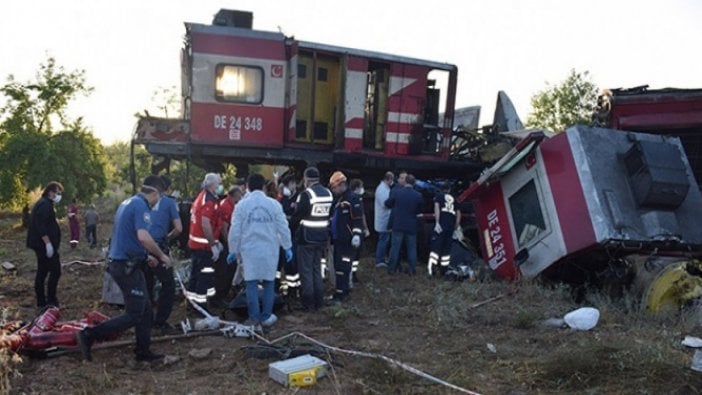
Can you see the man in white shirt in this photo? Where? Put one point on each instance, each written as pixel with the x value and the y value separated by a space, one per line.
pixel 382 217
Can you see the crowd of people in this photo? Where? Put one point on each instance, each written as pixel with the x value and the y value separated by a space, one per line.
pixel 269 236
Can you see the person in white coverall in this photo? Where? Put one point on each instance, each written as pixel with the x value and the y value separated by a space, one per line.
pixel 259 228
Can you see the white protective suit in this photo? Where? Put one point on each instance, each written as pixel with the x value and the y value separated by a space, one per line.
pixel 258 230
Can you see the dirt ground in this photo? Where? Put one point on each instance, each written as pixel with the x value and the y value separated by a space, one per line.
pixel 496 348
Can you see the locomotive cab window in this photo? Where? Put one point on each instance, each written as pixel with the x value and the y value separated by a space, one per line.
pixel 239 84
pixel 528 217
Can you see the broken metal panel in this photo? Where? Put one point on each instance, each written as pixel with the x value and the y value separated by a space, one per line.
pixel 465 117
pixel 506 117
pixel 163 130
pixel 615 213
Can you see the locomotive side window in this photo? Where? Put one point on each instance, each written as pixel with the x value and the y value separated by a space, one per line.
pixel 526 213
pixel 239 84
pixel 321 74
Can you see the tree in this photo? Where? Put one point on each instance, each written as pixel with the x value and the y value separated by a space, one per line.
pixel 118 159
pixel 560 106
pixel 39 143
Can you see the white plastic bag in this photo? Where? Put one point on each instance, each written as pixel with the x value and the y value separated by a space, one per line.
pixel 692 342
pixel 582 319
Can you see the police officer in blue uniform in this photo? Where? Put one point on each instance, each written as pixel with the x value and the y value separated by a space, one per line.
pixel 165 226
pixel 131 247
pixel 311 223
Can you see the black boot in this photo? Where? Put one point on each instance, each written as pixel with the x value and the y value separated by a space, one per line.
pixel 85 343
pixel 148 356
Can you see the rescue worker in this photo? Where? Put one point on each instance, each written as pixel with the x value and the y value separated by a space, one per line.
pixel 165 226
pixel 289 195
pixel 270 189
pixel 130 248
pixel 311 223
pixel 223 271
pixel 203 242
pixel 290 278
pixel 347 230
pixel 356 185
pixel 258 230
pixel 44 238
pixel 446 220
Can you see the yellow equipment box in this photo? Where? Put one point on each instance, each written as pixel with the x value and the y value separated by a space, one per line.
pixel 303 378
pixel 301 371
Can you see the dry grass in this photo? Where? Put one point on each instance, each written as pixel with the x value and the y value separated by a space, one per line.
pixel 426 323
pixel 9 361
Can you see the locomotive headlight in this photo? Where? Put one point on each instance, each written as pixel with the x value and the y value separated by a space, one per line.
pixel 239 83
pixel 231 82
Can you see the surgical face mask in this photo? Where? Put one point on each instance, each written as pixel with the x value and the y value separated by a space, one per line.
pixel 220 189
pixel 287 191
pixel 57 198
pixel 360 191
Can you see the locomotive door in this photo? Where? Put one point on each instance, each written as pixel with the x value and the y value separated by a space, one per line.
pixel 317 97
pixel 376 109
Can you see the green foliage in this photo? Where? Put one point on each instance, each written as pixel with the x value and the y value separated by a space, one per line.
pixel 84 162
pixel 39 143
pixel 118 158
pixel 563 105
pixel 185 180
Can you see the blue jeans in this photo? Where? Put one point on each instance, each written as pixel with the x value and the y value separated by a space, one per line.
pixel 410 240
pixel 253 301
pixel 381 248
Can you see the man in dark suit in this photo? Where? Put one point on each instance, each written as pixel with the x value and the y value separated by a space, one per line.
pixel 406 204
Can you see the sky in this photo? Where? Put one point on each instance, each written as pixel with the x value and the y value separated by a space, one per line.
pixel 129 49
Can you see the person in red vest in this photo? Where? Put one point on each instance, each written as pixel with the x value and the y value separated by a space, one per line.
pixel 203 240
pixel 224 272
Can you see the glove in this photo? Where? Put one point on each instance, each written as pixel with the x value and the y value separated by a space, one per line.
pixel 49 250
pixel 231 258
pixel 437 228
pixel 216 250
pixel 356 241
pixel 366 233
pixel 458 234
pixel 288 255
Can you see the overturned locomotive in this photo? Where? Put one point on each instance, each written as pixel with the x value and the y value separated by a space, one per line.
pixel 586 204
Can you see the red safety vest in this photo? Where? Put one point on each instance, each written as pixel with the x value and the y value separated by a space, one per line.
pixel 205 205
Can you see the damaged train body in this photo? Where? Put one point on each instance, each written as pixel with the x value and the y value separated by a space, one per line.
pixel 578 203
pixel 258 97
